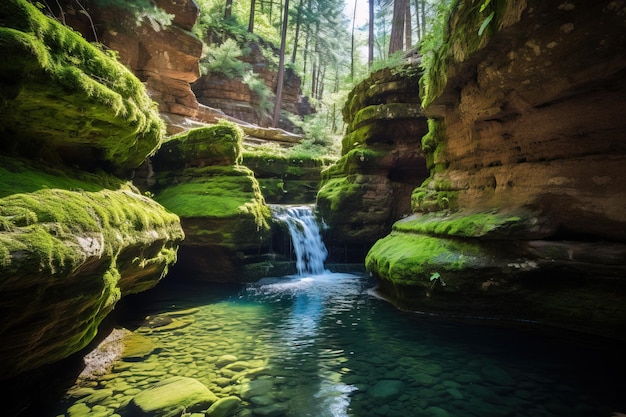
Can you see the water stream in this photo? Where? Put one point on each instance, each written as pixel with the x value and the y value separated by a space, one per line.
pixel 321 345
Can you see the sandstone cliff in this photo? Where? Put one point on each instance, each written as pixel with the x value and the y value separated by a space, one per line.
pixel 74 239
pixel 369 187
pixel 526 151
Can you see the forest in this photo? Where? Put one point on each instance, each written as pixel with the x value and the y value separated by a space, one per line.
pixel 330 44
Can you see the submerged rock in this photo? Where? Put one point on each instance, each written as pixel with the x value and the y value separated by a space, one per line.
pixel 171 395
pixel 386 390
pixel 224 407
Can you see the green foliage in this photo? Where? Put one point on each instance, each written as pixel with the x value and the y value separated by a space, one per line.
pixel 261 90
pixel 394 60
pixel 223 59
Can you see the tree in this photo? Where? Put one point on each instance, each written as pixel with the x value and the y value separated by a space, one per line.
pixel 251 18
pixel 396 41
pixel 370 41
pixel 281 66
pixel 228 10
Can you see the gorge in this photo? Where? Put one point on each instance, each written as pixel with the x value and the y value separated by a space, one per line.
pixel 486 185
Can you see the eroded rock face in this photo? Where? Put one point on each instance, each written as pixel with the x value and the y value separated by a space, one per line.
pixel 236 99
pixel 197 176
pixel 72 242
pixel 70 250
pixel 369 187
pixel 523 215
pixel 165 58
pixel 534 119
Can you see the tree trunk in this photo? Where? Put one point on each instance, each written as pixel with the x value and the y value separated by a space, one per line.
pixel 281 67
pixel 370 42
pixel 423 17
pixel 397 27
pixel 418 31
pixel 228 10
pixel 251 20
pixel 297 34
pixel 408 30
pixel 352 47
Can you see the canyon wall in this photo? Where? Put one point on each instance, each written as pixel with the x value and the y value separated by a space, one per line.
pixel 369 187
pixel 75 235
pixel 523 214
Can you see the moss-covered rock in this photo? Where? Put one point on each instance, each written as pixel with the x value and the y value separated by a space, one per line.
pixel 222 209
pixel 369 187
pixel 69 250
pixel 63 99
pixel 219 205
pixel 219 144
pixel 173 396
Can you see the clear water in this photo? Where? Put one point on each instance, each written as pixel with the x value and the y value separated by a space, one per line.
pixel 327 347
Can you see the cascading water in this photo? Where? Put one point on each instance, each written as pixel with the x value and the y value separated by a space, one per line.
pixel 305 236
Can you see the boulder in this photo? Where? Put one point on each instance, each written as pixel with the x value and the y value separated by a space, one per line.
pixel 385 390
pixel 222 210
pixel 170 396
pixel 224 407
pixel 63 100
pixel 82 247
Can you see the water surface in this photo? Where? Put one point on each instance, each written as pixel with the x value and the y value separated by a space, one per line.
pixel 323 345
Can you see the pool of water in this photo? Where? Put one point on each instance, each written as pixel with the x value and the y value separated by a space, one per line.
pixel 324 345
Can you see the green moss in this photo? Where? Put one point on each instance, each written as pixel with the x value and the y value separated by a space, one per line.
pixel 360 160
pixel 48 213
pixel 435 135
pixel 426 199
pixel 459 224
pixel 58 90
pixel 221 142
pixel 410 259
pixel 390 111
pixel 337 192
pixel 217 192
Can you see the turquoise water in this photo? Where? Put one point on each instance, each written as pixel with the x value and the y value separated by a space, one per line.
pixel 324 346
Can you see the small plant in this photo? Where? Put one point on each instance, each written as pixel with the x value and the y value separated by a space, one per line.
pixel 435 278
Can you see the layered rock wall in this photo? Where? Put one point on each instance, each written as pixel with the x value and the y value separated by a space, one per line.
pixel 523 214
pixel 197 176
pixel 369 187
pixel 236 99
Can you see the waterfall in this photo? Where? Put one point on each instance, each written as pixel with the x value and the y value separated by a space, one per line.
pixel 305 237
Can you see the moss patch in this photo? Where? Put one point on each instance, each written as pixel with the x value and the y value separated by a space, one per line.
pixel 337 192
pixel 217 192
pixel 58 92
pixel 220 144
pixel 409 259
pixel 462 224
